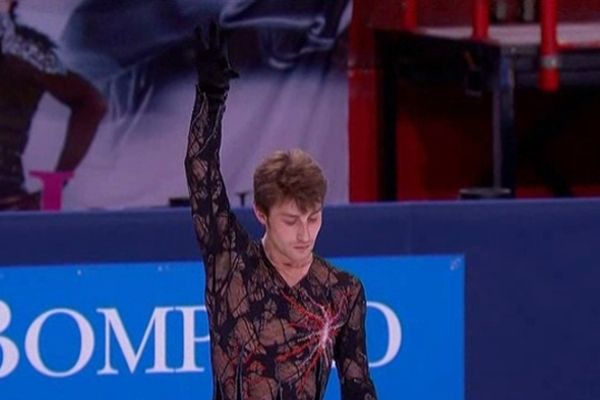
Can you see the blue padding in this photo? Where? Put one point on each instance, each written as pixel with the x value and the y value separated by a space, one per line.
pixel 533 272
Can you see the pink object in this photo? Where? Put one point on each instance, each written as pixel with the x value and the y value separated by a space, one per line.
pixel 52 187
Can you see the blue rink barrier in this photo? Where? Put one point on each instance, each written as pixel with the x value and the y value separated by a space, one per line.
pixel 139 331
pixel 531 274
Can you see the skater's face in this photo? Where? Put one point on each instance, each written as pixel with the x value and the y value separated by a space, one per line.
pixel 290 231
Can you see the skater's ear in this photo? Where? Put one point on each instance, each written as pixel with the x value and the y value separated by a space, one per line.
pixel 260 215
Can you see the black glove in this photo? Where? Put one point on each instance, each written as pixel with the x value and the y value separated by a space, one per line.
pixel 212 62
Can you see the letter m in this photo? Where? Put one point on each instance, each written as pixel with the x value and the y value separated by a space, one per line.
pixel 114 324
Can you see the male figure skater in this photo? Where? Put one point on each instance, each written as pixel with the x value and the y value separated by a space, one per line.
pixel 278 314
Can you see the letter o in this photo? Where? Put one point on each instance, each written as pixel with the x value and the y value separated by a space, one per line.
pixel 394 334
pixel 32 343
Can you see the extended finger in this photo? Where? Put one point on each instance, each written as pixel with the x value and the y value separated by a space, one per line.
pixel 214 35
pixel 223 40
pixel 200 38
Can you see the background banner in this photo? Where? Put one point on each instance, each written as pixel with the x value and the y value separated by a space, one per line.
pixel 140 330
pixel 135 86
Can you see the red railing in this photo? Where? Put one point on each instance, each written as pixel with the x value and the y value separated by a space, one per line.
pixel 481 19
pixel 549 48
pixel 410 16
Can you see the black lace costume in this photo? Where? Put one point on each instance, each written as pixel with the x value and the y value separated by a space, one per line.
pixel 268 340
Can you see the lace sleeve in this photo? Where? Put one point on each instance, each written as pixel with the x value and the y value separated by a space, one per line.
pixel 351 354
pixel 222 239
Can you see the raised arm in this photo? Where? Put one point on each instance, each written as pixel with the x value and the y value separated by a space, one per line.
pixel 351 353
pixel 220 236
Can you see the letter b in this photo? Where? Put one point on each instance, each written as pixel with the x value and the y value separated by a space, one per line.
pixel 10 353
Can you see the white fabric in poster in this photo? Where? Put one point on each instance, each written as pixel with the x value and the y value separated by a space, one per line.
pixel 292 93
